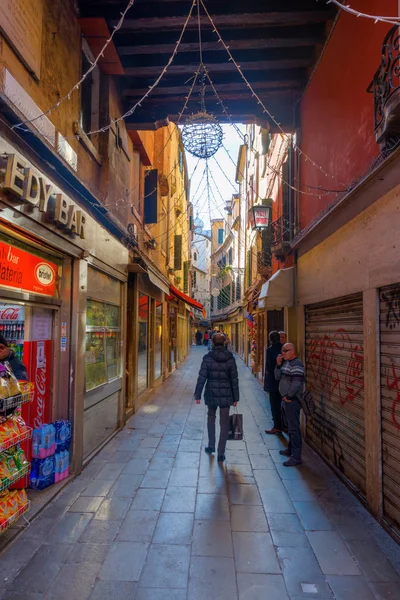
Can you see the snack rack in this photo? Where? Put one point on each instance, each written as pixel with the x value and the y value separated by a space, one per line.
pixel 14 431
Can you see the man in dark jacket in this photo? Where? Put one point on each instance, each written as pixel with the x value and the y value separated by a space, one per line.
pixel 218 372
pixel 271 385
pixel 199 337
pixel 6 354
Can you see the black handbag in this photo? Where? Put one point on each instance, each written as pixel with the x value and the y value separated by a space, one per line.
pixel 236 426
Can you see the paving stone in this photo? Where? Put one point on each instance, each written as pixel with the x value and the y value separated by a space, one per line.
pixel 276 500
pixel 373 563
pixel 350 588
pixel 299 568
pixel 170 440
pixel 124 562
pixel 299 491
pixel 244 494
pixel 386 591
pixel 147 453
pixel 254 553
pixel 212 577
pixel 21 596
pixel 256 586
pixel 121 590
pixel 15 557
pixel 157 594
pixel 138 526
pixel 70 528
pixel 248 518
pixel 86 504
pixel 148 499
pixel 237 457
pixel 313 517
pixel 187 460
pixel 286 530
pixel 167 566
pixel 111 471
pixel 212 538
pixel 190 445
pixel 156 479
pixel 136 466
pixel 98 487
pixel 212 507
pixel 40 571
pixel 174 528
pixel 159 463
pixel 179 499
pixel 332 553
pixel 184 477
pixel 150 442
pixel 113 509
pixel 73 581
pixel 239 470
pixel 126 486
pixel 100 532
pixel 94 554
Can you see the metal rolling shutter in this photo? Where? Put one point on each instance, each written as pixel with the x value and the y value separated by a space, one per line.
pixel 389 298
pixel 335 375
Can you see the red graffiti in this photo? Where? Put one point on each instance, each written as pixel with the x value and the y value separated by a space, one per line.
pixel 395 385
pixel 329 366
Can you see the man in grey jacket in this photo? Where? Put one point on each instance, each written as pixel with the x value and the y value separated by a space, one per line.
pixel 289 372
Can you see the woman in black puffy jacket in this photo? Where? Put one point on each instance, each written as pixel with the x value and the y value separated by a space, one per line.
pixel 218 372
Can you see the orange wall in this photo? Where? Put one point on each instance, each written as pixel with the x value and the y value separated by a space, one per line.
pixel 337 120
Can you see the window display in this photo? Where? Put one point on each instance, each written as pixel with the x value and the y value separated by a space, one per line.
pixel 143 341
pixel 102 358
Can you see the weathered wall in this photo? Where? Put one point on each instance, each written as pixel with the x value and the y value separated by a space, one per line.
pixel 337 119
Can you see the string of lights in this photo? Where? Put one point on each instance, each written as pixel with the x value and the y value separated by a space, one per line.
pixel 260 102
pixel 358 13
pixel 93 65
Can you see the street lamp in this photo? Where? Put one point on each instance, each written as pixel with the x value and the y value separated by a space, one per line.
pixel 259 217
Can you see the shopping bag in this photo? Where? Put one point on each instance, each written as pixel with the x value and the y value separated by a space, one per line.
pixel 236 426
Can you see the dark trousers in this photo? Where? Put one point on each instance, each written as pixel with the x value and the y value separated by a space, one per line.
pixel 224 428
pixel 275 400
pixel 292 414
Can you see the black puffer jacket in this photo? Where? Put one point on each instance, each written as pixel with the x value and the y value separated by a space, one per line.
pixel 219 372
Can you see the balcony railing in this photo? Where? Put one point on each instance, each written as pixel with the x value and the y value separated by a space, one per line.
pixel 264 266
pixel 386 89
pixel 281 236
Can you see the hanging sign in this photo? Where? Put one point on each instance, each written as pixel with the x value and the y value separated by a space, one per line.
pixel 26 272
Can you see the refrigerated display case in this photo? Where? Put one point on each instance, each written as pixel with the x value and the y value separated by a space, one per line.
pixel 103 336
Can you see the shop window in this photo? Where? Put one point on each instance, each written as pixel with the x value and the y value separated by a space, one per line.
pixel 143 340
pixel 90 92
pixel 158 344
pixel 103 335
pixel 220 236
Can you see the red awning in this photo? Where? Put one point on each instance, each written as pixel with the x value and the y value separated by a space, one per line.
pixel 191 301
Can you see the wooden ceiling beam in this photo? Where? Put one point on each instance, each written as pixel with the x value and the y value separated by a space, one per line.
pixel 222 90
pixel 226 21
pixel 256 44
pixel 227 67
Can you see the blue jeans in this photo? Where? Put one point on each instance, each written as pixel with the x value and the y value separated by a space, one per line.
pixel 292 413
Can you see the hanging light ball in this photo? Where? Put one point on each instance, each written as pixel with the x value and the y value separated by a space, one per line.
pixel 202 135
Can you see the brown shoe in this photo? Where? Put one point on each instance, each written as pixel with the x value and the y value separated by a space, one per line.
pixel 273 431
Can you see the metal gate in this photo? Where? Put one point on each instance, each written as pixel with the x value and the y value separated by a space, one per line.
pixel 335 375
pixel 389 298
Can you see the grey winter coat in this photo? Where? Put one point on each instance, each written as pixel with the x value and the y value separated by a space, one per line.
pixel 218 372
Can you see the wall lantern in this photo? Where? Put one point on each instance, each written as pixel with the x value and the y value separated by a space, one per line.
pixel 260 217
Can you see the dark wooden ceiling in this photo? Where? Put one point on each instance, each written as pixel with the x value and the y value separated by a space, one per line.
pixel 276 42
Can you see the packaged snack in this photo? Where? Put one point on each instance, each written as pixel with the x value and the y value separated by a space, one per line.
pixel 12 503
pixel 13 386
pixel 4 508
pixel 4 471
pixel 21 498
pixel 20 458
pixel 4 389
pixel 10 462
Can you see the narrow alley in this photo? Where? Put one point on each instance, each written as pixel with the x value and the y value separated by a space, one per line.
pixel 153 517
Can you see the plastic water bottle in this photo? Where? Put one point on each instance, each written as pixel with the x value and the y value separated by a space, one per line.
pixel 36 438
pixel 34 473
pixel 52 440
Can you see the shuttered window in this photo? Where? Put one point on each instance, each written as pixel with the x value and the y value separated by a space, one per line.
pixel 186 276
pixel 335 375
pixel 177 252
pixel 151 197
pixel 220 236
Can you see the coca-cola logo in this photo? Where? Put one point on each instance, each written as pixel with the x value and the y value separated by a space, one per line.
pixel 45 274
pixel 9 314
pixel 40 393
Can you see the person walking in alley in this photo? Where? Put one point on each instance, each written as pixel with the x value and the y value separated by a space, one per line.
pixel 289 371
pixel 199 337
pixel 205 338
pixel 283 337
pixel 271 385
pixel 218 372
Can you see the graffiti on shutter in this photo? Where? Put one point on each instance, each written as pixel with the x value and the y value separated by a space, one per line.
pixel 335 375
pixel 389 298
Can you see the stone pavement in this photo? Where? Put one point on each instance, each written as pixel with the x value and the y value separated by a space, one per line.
pixel 154 518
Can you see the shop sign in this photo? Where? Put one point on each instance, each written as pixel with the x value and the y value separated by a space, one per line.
pixel 35 190
pixel 23 271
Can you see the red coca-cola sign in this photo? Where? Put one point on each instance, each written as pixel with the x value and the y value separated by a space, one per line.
pixel 11 314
